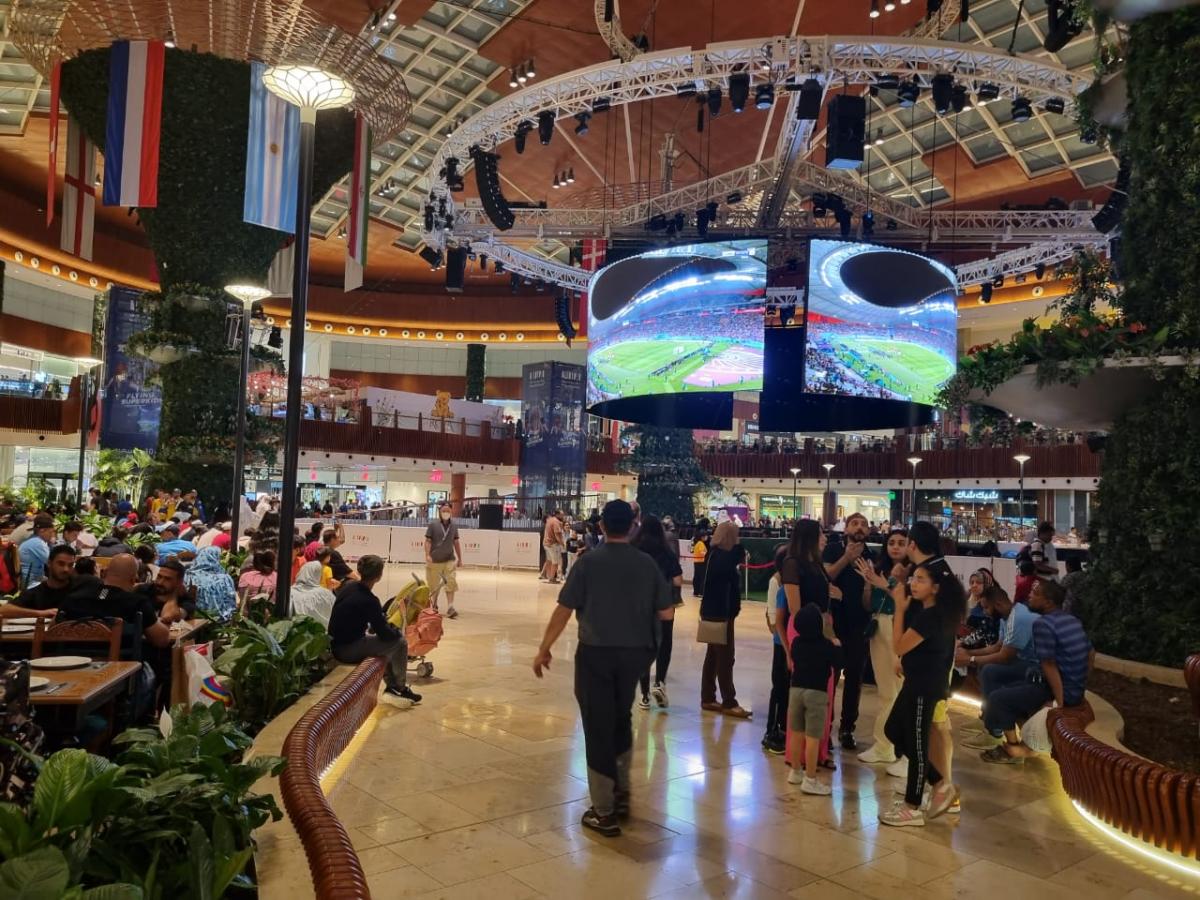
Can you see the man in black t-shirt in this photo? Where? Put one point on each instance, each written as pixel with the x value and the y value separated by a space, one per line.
pixel 619 597
pixel 44 598
pixel 850 618
pixel 115 598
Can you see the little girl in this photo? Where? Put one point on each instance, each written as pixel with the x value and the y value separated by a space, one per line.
pixel 814 658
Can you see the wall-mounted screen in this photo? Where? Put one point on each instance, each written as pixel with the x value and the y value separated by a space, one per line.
pixel 880 322
pixel 678 320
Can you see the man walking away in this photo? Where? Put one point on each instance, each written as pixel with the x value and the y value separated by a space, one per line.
pixel 619 598
pixel 443 555
pixel 356 608
pixel 552 542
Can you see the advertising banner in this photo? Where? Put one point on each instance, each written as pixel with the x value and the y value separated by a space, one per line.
pixel 131 407
pixel 519 549
pixel 480 548
pixel 363 540
pixel 554 452
pixel 408 544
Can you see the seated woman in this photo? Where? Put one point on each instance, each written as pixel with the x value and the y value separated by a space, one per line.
pixel 215 593
pixel 309 597
pixel 260 578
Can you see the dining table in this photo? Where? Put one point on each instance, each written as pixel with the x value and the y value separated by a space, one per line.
pixel 74 693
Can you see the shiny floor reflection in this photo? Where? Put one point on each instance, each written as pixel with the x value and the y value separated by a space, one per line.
pixel 477 793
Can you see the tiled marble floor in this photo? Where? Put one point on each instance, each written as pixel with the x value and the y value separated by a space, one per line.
pixel 477 793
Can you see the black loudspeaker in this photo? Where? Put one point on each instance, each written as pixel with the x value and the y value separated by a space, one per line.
pixel 809 104
pixel 1109 216
pixel 456 268
pixel 491 517
pixel 487 180
pixel 845 132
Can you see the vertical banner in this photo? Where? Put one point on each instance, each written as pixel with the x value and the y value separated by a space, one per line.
pixel 131 407
pixel 360 206
pixel 52 169
pixel 554 454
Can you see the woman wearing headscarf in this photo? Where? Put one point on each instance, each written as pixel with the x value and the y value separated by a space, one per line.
pixel 722 602
pixel 215 593
pixel 308 597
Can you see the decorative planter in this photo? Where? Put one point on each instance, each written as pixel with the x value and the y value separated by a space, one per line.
pixel 1091 405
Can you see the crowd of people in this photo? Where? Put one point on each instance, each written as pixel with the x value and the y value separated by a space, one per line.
pixel 838 611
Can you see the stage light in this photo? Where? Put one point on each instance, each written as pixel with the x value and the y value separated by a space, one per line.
pixel 483 262
pixel 891 225
pixel 985 292
pixel 908 92
pixel 601 104
pixel 874 14
pixel 942 87
pixel 702 222
pixel 530 70
pixel 714 102
pixel 868 224
pixel 1056 105
pixel 556 185
pixel 845 221
pixel 739 91
pixel 764 96
pixel 998 281
pixel 889 6
pixel 734 198
pixel 523 128
pixel 685 90
pixel 499 267
pixel 1039 271
pixel 1022 110
pixel 275 338
pixel 570 175
pixel 451 175
pixel 522 76
pixel 987 92
pixel 959 99
pixel 582 118
pixel 878 137
pixel 545 126
pixel 512 79
pixel 428 217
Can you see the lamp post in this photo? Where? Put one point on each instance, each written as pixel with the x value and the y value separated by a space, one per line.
pixel 795 474
pixel 828 467
pixel 1021 459
pixel 249 294
pixel 86 364
pixel 311 89
pixel 914 461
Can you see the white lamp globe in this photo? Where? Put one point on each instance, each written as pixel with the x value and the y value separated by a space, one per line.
pixel 249 294
pixel 308 87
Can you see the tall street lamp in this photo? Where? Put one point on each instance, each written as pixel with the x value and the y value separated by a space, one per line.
pixel 86 365
pixel 249 294
pixel 914 461
pixel 1021 459
pixel 795 474
pixel 825 504
pixel 311 89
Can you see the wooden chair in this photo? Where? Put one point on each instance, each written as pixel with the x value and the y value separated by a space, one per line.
pixel 82 634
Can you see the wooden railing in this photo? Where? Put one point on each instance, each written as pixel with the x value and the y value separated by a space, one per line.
pixel 368 441
pixel 37 414
pixel 1144 799
pixel 314 743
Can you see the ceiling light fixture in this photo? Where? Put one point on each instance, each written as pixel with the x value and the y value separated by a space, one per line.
pixel 764 96
pixel 512 79
pixel 987 92
pixel 570 175
pixel 545 126
pixel 878 137
pixel 889 6
pixel 522 75
pixel 874 14
pixel 1022 110
pixel 582 118
pixel 556 183
pixel 908 92
pixel 739 90
pixel 530 70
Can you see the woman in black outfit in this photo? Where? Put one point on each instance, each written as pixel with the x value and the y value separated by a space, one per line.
pixel 722 602
pixel 652 540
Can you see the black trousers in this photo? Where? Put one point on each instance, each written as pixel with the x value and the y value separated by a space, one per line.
pixel 854 660
pixel 698 572
pixel 662 661
pixel 605 679
pixel 780 683
pixel 908 728
pixel 718 670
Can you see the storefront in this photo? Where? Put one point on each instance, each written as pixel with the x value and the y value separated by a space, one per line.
pixel 978 511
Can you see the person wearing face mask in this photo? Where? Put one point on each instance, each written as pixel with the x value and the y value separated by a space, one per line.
pixel 443 555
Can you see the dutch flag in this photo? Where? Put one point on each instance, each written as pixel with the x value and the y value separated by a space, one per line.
pixel 272 158
pixel 135 87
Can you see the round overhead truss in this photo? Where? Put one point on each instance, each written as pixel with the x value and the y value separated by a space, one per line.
pixel 608 23
pixel 847 60
pixel 268 31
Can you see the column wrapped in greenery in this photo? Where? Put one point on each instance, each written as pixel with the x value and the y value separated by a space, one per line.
pixel 476 354
pixel 669 475
pixel 1144 596
pixel 200 244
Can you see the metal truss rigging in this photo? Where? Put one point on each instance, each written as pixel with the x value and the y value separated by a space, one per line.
pixel 611 31
pixel 533 266
pixel 1025 258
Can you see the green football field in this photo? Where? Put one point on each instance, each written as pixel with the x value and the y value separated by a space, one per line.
pixel 626 368
pixel 920 370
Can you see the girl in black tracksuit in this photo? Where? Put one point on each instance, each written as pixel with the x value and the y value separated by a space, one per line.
pixel 924 629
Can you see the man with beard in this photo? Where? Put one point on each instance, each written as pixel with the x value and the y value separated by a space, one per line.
pixel 850 618
pixel 173 601
pixel 43 599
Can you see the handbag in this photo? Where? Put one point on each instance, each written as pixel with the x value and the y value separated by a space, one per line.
pixel 712 631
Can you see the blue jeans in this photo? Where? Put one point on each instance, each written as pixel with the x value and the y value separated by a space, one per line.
pixel 1009 696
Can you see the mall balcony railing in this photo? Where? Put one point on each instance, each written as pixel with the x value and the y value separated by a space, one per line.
pixel 20 411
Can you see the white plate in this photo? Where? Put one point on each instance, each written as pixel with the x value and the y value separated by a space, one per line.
pixel 37 682
pixel 26 621
pixel 18 629
pixel 60 662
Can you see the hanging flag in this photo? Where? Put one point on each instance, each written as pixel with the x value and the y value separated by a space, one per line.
pixel 79 193
pixel 52 169
pixel 360 207
pixel 279 276
pixel 135 86
pixel 593 252
pixel 272 158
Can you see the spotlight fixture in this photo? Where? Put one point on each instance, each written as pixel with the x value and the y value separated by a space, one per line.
pixel 908 92
pixel 734 198
pixel 959 99
pixel 764 96
pixel 942 88
pixel 889 6
pixel 556 184
pixel 431 256
pixel 522 75
pixel 483 262
pixel 998 281
pixel 601 104
pixel 874 13
pixel 451 175
pixel 739 91
pixel 878 137
pixel 891 225
pixel 985 292
pixel 428 217
pixel 512 79
pixel 1056 105
pixel 545 126
pixel 868 224
pixel 1022 110
pixel 523 128
pixel 987 92
pixel 530 70
pixel 845 220
pixel 275 338
pixel 685 90
pixel 582 118
pixel 571 175
pixel 713 98
pixel 499 265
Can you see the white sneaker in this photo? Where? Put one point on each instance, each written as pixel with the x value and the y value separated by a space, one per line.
pixel 643 702
pixel 898 769
pixel 796 776
pixel 874 755
pixel 813 786
pixel 659 693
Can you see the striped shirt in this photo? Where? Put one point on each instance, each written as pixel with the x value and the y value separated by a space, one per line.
pixel 1060 637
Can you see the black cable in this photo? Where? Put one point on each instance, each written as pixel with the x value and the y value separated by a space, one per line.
pixel 1012 41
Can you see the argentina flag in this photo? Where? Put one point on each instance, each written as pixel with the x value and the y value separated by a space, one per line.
pixel 272 158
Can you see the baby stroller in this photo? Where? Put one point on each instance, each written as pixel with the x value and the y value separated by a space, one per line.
pixel 422 625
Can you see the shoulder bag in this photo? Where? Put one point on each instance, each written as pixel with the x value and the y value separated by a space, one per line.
pixel 712 631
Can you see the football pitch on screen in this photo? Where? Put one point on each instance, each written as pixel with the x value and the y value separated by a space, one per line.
pixel 920 370
pixel 633 368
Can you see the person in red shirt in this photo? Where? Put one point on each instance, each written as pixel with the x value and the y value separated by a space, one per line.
pixel 224 539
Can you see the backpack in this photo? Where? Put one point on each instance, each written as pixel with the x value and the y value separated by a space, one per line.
pixel 424 635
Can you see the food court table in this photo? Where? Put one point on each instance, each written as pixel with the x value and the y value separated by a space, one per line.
pixel 86 689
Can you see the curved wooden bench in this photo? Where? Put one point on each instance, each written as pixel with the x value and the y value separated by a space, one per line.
pixel 1144 799
pixel 314 743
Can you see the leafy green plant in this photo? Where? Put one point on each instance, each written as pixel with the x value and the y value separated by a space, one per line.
pixel 234 561
pixel 123 471
pixel 267 668
pixel 137 539
pixel 93 523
